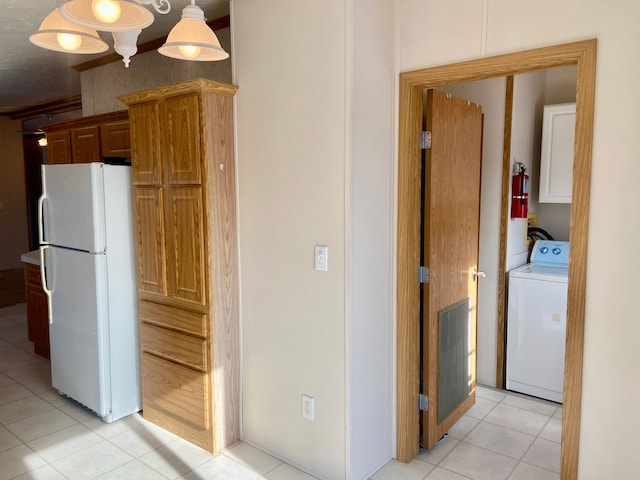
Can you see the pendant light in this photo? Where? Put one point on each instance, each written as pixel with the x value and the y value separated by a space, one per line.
pixel 56 33
pixel 108 15
pixel 192 39
pixel 72 26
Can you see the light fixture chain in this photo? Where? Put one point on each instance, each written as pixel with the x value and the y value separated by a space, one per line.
pixel 160 6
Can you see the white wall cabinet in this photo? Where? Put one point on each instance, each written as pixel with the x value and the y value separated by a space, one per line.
pixel 556 160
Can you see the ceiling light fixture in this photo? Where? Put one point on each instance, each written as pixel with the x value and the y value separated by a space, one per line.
pixel 190 39
pixel 56 33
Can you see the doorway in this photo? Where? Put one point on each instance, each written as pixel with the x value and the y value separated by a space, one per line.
pixel 581 54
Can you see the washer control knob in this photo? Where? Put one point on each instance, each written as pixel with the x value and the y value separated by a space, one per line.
pixel 544 250
pixel 556 251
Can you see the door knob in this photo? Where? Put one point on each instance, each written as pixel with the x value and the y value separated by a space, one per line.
pixel 478 274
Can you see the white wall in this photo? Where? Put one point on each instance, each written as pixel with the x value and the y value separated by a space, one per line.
pixel 491 95
pixel 315 110
pixel 560 87
pixel 528 102
pixel 370 234
pixel 290 62
pixel 13 202
pixel 293 132
pixel 434 32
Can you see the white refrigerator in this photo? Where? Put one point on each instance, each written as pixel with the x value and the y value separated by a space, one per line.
pixel 88 274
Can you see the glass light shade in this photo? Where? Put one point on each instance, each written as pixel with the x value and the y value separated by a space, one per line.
pixel 69 41
pixel 107 11
pixel 133 15
pixel 189 50
pixel 55 33
pixel 192 39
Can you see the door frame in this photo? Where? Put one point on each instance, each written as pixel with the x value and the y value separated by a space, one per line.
pixel 582 54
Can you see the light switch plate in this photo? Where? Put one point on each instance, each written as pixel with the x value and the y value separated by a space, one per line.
pixel 322 257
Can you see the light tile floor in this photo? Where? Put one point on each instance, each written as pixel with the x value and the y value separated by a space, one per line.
pixel 44 436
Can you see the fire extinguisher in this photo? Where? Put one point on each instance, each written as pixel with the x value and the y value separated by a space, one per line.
pixel 519 191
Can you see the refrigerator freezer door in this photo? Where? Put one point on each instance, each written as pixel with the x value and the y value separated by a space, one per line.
pixel 72 206
pixel 79 329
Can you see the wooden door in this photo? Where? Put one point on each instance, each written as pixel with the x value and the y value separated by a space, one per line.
pixel 115 139
pixel 58 147
pixel 145 144
pixel 185 244
pixel 85 144
pixel 182 141
pixel 150 236
pixel 451 220
pixel 37 311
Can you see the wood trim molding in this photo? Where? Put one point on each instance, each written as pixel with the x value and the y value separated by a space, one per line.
pixel 582 54
pixel 215 24
pixel 61 105
pixel 87 121
pixel 504 222
pixel 197 85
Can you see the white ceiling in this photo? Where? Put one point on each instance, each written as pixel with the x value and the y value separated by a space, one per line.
pixel 30 75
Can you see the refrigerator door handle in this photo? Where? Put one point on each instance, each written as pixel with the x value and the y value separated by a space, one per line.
pixel 41 215
pixel 43 277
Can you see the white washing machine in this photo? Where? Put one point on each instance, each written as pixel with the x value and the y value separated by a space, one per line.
pixel 537 322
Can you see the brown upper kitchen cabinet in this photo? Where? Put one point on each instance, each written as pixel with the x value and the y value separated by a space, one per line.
pixel 115 139
pixel 185 215
pixel 85 144
pixel 59 147
pixel 89 139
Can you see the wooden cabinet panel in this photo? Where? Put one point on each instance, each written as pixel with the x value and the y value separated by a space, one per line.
pixel 32 275
pixel 174 318
pixel 59 147
pixel 181 134
pixel 115 139
pixel 177 347
pixel 89 139
pixel 37 320
pixel 37 311
pixel 185 242
pixel 178 392
pixel 150 235
pixel 85 144
pixel 145 144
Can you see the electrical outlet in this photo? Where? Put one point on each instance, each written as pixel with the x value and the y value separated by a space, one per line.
pixel 532 221
pixel 308 407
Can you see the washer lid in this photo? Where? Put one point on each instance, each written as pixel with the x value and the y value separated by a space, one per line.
pixel 541 271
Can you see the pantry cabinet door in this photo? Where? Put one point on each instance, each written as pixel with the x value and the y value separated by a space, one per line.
pixel 146 159
pixel 150 233
pixel 182 142
pixel 185 244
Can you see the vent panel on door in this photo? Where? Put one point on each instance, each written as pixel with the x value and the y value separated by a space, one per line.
pixel 454 381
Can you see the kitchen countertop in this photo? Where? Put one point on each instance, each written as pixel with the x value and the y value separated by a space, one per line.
pixel 32 257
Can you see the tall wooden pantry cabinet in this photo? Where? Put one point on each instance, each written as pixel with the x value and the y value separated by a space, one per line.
pixel 185 209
